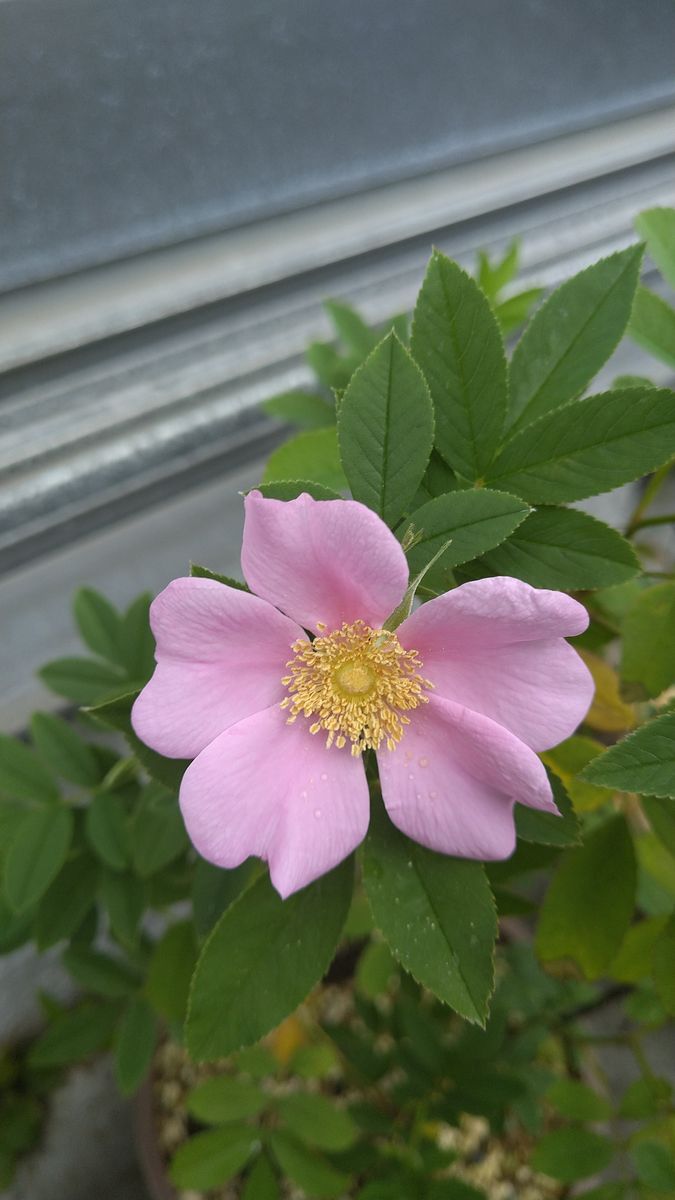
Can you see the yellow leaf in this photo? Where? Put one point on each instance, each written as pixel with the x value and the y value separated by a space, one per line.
pixel 285 1040
pixel 568 761
pixel 608 712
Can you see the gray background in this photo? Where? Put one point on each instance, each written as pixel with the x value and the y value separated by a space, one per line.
pixel 130 124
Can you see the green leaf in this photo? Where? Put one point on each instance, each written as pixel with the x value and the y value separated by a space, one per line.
pixel 36 855
pixel 438 479
pixel 261 960
pixel 664 961
pixel 634 959
pixel 375 969
pixel 157 831
pixel 474 520
pixel 123 897
pixel 589 904
pixel 646 1097
pixel 74 1035
pixel 316 1120
pixel 214 889
pixel 82 680
pixel 658 868
pixel 624 381
pixel 648 648
pixel 204 573
pixel 261 1183
pixel 22 775
pixel 306 409
pixel 138 643
pixel 107 829
pixel 535 826
pixel 64 750
pixel 588 447
pixel 99 973
pixel 652 325
pixel 457 343
pixel 661 816
pixel 447 1189
pixel 87 930
pixel 655 1166
pixel 306 1169
pixel 257 1061
pixel 577 1101
pixel 211 1159
pixel 514 311
pixel 643 762
pixel 571 1154
pixel 609 1191
pixel 436 914
pixel 567 760
pixel 492 277
pixel 135 1045
pixel 67 900
pixel 316 1061
pixel 116 714
pixel 289 489
pixel 170 971
pixel 351 328
pixel 563 548
pixel 333 370
pixel 386 430
pixel 225 1098
pixel 13 813
pixel 99 623
pixel 657 227
pixel 312 455
pixel 571 336
pixel 15 928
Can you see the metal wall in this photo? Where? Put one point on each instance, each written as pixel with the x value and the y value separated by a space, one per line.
pixel 130 124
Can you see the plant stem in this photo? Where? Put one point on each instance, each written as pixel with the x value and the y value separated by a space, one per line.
pixel 653 487
pixel 616 992
pixel 666 519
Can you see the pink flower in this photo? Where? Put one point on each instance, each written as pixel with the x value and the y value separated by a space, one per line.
pixel 455 703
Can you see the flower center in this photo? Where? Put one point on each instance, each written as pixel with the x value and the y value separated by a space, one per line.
pixel 357 683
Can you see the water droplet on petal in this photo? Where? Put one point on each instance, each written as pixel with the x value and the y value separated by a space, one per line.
pixel 317 813
pixel 324 776
pixel 411 777
pixel 424 762
pixel 303 795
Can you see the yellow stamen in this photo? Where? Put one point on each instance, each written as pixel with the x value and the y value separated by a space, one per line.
pixel 357 683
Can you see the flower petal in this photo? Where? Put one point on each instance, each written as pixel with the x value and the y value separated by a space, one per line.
pixel 322 561
pixel 492 612
pixel 221 655
pixel 273 790
pixel 494 650
pixel 452 781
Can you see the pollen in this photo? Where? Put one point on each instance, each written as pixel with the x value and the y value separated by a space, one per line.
pixel 357 684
